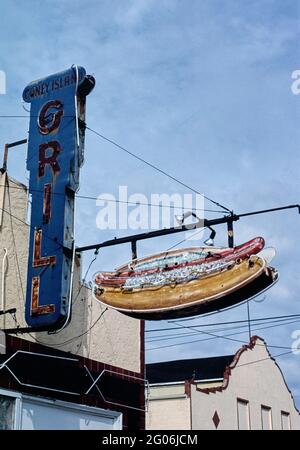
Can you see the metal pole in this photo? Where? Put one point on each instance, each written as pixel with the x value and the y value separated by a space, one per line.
pixel 230 234
pixel 263 211
pixel 157 233
pixel 4 167
pixel 133 250
pixel 201 223
pixel 249 323
pixel 6 147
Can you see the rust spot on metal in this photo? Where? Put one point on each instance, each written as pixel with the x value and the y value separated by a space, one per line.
pixel 47 203
pixel 35 292
pixel 36 309
pixel 45 125
pixel 38 260
pixel 51 160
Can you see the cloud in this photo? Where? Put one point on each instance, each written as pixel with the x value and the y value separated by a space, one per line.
pixel 135 12
pixel 201 91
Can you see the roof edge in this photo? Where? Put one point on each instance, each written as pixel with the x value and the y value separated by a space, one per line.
pixel 228 369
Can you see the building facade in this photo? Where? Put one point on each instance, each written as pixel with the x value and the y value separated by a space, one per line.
pixel 96 363
pixel 236 392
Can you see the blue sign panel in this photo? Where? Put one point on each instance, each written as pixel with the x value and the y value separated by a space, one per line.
pixel 55 154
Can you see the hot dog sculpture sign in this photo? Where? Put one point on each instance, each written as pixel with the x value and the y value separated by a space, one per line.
pixel 187 282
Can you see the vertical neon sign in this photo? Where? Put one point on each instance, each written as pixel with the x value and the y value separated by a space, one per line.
pixel 55 154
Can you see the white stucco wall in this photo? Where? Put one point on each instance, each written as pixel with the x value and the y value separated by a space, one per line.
pixel 168 408
pixel 14 237
pixel 115 339
pixel 256 379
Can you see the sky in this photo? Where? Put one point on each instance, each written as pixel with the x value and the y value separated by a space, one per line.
pixel 201 89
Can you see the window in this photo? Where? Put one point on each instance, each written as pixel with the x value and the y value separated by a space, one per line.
pixel 285 420
pixel 44 414
pixel 243 414
pixel 7 416
pixel 266 418
pixel 22 412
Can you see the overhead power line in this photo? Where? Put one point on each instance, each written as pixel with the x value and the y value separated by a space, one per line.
pixel 83 281
pixel 224 323
pixel 72 339
pixel 264 359
pixel 226 337
pixel 173 336
pixel 156 168
pixel 89 197
pixel 30 226
pixel 184 240
pixel 138 158
pixel 7 116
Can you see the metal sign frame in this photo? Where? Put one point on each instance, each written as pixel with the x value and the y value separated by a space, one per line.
pixel 55 155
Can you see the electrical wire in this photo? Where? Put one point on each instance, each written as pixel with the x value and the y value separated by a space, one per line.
pixel 264 359
pixel 232 339
pixel 14 240
pixel 84 278
pixel 226 323
pixel 218 329
pixel 88 197
pixel 171 177
pixel 226 337
pixel 156 168
pixel 203 316
pixel 11 215
pixel 73 303
pixel 22 301
pixel 30 226
pixel 186 239
pixel 28 116
pixel 70 340
pixel 213 336
pixel 23 295
pixel 138 158
pixel 166 337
